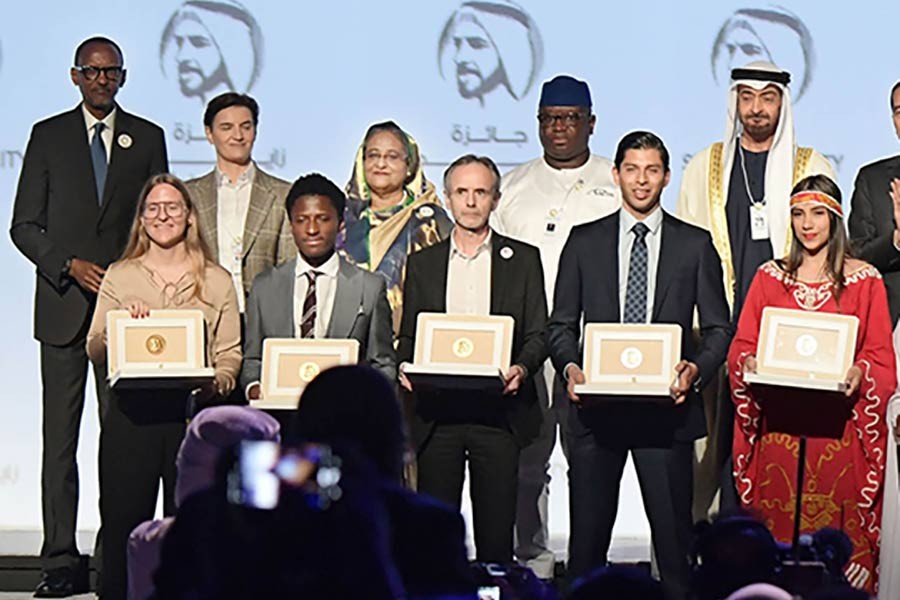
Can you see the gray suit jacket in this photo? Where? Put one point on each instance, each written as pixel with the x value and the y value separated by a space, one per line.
pixel 360 312
pixel 267 232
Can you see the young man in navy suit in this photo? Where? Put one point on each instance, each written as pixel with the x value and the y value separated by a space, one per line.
pixel 638 265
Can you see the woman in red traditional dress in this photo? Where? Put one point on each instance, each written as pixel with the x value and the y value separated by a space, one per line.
pixel 843 477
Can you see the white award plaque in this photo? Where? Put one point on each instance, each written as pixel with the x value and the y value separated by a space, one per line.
pixel 630 359
pixel 461 352
pixel 165 350
pixel 804 349
pixel 289 364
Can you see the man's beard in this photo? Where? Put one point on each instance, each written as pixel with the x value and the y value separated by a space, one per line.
pixel 484 87
pixel 207 83
pixel 760 133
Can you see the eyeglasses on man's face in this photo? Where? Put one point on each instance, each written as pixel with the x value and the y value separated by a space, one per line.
pixel 91 73
pixel 569 119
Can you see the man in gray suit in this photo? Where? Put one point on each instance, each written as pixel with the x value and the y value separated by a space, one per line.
pixel 318 294
pixel 240 208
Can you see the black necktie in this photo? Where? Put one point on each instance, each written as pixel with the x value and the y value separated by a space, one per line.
pixel 636 289
pixel 98 158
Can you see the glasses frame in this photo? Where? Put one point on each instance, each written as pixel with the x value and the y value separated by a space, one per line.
pixel 166 207
pixel 119 71
pixel 569 119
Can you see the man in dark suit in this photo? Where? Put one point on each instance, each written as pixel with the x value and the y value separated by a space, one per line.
pixel 81 176
pixel 875 216
pixel 476 271
pixel 318 294
pixel 638 265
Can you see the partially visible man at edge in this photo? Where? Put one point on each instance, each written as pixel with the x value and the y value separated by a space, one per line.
pixel 78 189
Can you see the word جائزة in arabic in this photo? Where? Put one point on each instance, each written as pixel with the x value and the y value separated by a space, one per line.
pixel 463 135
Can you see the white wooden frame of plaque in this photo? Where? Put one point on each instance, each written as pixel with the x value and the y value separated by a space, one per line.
pixel 190 319
pixel 347 351
pixel 773 318
pixel 597 333
pixel 499 325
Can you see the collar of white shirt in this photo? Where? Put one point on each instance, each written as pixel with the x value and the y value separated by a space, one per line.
pixel 652 221
pixel 329 268
pixel 483 246
pixel 90 120
pixel 245 178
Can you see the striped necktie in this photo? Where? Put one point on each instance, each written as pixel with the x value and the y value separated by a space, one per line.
pixel 636 288
pixel 308 323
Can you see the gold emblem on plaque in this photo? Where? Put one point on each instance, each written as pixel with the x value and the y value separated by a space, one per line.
pixel 463 347
pixel 155 344
pixel 308 371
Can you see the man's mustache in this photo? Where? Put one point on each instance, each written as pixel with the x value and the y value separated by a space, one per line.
pixel 464 68
pixel 186 67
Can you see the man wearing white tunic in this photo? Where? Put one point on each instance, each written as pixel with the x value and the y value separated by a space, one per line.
pixel 540 202
pixel 739 190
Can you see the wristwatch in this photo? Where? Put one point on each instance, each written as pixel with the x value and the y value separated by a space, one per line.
pixel 66 266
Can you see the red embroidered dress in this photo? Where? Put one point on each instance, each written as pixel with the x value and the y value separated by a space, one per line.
pixel 844 477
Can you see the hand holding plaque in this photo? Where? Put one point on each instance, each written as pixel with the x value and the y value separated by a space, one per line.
pixel 632 360
pixel 686 374
pixel 156 348
pixel 463 352
pixel 805 350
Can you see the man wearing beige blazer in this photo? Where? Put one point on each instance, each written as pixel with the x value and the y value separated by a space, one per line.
pixel 240 208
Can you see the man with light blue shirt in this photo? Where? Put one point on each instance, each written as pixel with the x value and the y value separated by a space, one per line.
pixel 638 265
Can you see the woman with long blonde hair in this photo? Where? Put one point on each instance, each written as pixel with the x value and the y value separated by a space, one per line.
pixel 165 265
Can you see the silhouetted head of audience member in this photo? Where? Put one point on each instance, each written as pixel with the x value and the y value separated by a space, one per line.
pixel 213 432
pixel 354 405
pixel 730 553
pixel 223 547
pixel 619 582
pixel 760 591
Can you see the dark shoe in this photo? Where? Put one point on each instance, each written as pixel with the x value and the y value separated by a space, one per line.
pixel 56 583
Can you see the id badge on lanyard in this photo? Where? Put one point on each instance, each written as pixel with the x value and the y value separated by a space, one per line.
pixel 759 221
pixel 552 222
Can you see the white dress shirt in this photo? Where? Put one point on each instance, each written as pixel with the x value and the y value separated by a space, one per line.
pixel 107 134
pixel 326 286
pixel 232 203
pixel 540 205
pixel 626 240
pixel 469 279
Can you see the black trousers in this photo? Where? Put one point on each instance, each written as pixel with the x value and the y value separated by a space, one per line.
pixel 665 477
pixel 493 458
pixel 63 379
pixel 141 435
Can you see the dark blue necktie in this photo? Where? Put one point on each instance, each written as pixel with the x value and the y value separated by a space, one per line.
pixel 636 289
pixel 98 158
